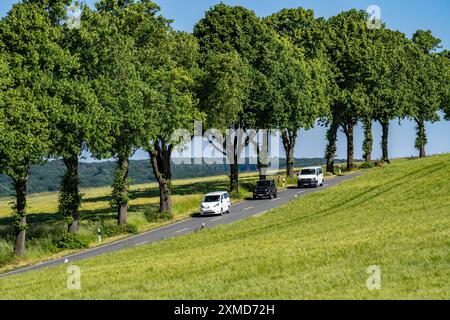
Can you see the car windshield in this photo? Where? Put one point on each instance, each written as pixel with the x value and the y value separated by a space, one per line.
pixel 211 199
pixel 308 171
pixel 263 184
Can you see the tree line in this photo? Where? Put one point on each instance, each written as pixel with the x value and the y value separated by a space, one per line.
pixel 125 80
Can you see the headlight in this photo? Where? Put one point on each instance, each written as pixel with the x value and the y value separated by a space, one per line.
pixel 216 205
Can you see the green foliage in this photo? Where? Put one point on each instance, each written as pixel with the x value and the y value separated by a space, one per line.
pixel 426 41
pixel 69 196
pixel 111 230
pixel 224 89
pixel 153 216
pixel 30 49
pixel 119 194
pixel 71 241
pixel 367 165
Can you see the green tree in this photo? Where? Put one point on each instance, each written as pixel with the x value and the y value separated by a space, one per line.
pixel 426 80
pixel 223 93
pixel 299 76
pixel 387 81
pixel 111 45
pixel 227 31
pixel 173 82
pixel 30 50
pixel 445 95
pixel 76 119
pixel 348 46
pixel 426 41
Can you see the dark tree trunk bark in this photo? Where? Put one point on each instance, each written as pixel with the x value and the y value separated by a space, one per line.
pixel 20 219
pixel 160 157
pixel 421 138
pixel 385 141
pixel 331 146
pixel 368 140
pixel 234 177
pixel 289 137
pixel 73 191
pixel 123 166
pixel 263 161
pixel 349 133
pixel 233 154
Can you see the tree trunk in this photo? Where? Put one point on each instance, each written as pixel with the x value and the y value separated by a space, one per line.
pixel 263 154
pixel 384 141
pixel 421 139
pixel 289 137
pixel 349 133
pixel 331 147
pixel 123 167
pixel 160 157
pixel 71 191
pixel 233 153
pixel 20 219
pixel 234 177
pixel 368 140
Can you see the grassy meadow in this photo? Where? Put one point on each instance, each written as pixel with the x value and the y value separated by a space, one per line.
pixel 318 246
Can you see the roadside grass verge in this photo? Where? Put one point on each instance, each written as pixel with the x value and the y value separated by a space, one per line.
pixel 318 246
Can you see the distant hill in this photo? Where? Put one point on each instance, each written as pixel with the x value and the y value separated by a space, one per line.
pixel 98 174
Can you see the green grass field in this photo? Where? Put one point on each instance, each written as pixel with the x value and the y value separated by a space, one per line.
pixel 318 246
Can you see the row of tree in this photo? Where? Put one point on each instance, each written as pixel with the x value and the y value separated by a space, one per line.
pixel 126 80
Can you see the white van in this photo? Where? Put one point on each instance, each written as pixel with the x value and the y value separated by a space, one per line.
pixel 310 177
pixel 216 203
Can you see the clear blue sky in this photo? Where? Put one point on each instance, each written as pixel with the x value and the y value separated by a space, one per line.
pixel 406 16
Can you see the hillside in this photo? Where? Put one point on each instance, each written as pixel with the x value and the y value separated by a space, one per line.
pixel 47 177
pixel 317 246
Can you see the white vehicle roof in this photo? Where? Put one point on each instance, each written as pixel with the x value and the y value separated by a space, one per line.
pixel 217 193
pixel 311 168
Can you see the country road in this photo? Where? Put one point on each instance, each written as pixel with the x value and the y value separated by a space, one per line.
pixel 239 211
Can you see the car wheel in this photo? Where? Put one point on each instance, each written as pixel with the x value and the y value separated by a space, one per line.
pixel 229 209
pixel 275 195
pixel 221 212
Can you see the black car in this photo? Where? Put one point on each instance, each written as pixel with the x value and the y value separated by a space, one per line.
pixel 265 189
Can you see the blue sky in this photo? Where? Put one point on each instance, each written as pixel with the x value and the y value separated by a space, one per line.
pixel 403 15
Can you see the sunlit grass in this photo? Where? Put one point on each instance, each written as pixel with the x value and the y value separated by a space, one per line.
pixel 317 246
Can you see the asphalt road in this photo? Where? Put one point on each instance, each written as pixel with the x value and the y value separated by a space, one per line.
pixel 239 211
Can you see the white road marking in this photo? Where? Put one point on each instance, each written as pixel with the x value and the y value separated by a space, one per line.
pixel 300 191
pixel 248 208
pixel 182 230
pixel 275 199
pixel 216 219
pixel 140 243
pixel 259 214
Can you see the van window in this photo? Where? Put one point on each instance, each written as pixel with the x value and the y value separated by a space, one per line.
pixel 211 199
pixel 225 195
pixel 308 171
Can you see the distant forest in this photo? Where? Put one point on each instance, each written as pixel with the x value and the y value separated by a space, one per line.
pixel 99 174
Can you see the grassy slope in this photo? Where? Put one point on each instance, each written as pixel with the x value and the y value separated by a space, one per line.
pixel 318 246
